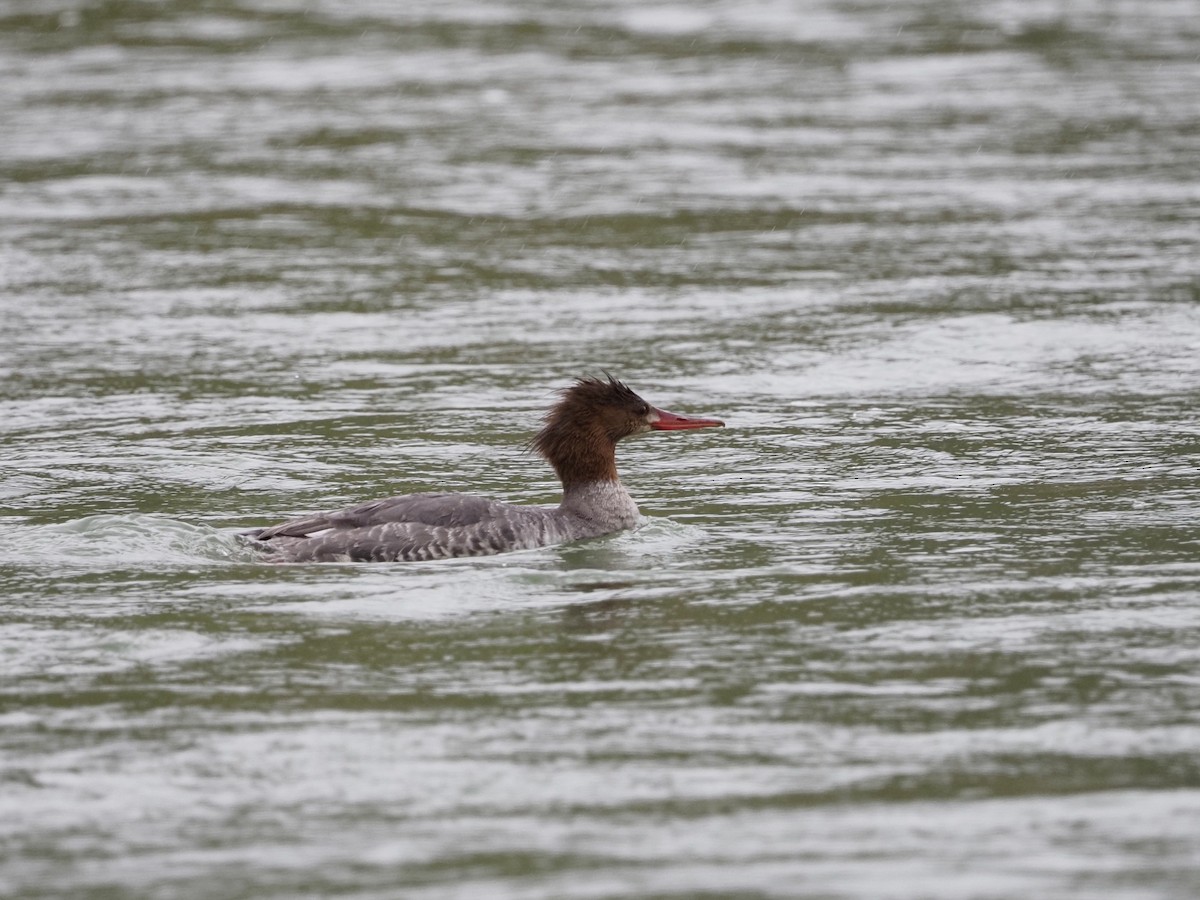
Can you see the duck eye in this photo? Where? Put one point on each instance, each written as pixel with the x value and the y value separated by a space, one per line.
pixel 641 409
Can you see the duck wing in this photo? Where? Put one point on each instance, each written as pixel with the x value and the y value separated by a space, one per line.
pixel 434 510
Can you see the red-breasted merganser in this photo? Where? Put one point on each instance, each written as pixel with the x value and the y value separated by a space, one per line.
pixel 578 439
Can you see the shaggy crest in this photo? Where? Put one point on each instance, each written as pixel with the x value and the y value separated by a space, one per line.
pixel 582 428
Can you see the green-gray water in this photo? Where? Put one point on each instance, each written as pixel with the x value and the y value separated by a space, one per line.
pixel 924 621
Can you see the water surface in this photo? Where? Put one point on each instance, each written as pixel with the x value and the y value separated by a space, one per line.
pixel 922 622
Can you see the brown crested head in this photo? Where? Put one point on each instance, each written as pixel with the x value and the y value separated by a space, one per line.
pixel 581 431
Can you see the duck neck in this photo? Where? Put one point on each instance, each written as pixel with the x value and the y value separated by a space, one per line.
pixel 584 457
pixel 605 506
pixel 579 457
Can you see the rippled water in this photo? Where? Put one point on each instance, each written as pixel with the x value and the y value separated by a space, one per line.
pixel 924 621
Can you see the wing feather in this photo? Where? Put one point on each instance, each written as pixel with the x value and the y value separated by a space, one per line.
pixel 434 510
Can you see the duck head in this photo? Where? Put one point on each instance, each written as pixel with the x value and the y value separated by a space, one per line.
pixel 581 431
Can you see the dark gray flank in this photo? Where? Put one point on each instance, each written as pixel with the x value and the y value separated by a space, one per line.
pixel 440 526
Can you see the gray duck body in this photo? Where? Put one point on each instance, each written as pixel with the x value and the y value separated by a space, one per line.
pixel 579 441
pixel 416 527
